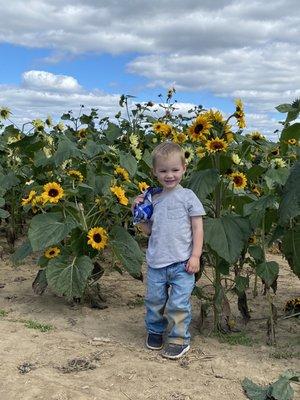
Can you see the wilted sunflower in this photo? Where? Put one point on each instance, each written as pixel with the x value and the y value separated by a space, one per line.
pixel 123 173
pixel 292 141
pixel 4 113
pixel 143 186
pixel 77 175
pixel 162 128
pixel 52 252
pixel 256 190
pixel 53 192
pixel 97 238
pixel 29 198
pixel 119 192
pixel 275 151
pixel 239 180
pixel 199 129
pixel 240 114
pixel 214 145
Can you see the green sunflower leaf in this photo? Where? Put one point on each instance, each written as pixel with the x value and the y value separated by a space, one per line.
pixel 66 149
pixel 128 162
pixel 69 278
pixel 204 182
pixel 48 229
pixel 127 251
pixel 227 235
pixel 291 132
pixel 290 201
pixel 268 271
pixel 257 209
pixel 291 248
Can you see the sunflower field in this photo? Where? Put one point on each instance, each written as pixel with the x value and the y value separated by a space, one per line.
pixel 68 188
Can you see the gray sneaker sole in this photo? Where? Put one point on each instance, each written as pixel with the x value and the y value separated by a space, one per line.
pixel 185 350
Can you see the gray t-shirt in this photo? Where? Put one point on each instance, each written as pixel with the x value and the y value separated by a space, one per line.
pixel 171 238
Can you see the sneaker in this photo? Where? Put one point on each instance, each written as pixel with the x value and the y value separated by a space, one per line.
pixel 174 351
pixel 154 341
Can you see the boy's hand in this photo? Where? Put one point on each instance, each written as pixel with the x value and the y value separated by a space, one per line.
pixel 137 200
pixel 193 265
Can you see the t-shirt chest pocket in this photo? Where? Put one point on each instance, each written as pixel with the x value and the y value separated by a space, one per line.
pixel 175 212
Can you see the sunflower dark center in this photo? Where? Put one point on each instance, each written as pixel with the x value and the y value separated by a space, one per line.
pixel 97 238
pixel 198 128
pixel 52 252
pixel 217 145
pixel 187 154
pixel 238 180
pixel 53 193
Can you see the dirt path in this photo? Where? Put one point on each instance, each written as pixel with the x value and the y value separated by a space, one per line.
pixel 110 344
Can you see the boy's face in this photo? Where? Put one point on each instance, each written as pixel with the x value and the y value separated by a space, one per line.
pixel 169 170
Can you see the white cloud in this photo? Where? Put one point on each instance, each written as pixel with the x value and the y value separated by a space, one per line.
pixel 46 81
pixel 229 48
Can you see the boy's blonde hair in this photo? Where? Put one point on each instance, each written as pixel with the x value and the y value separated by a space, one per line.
pixel 166 149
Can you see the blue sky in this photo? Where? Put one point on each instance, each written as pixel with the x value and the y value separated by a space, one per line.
pixel 56 57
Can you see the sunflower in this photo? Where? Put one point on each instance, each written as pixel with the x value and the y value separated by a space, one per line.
pixel 123 173
pixel 134 140
pixel 255 135
pixel 240 114
pixel 77 175
pixel 119 192
pixel 214 116
pixel 179 137
pixel 143 186
pixel 278 163
pixel 292 141
pixel 38 124
pixel 275 151
pixel 188 154
pixel 252 239
pixel 4 113
pixel 199 129
pixel 239 180
pixel 137 153
pixel 200 151
pixel 97 238
pixel 81 133
pixel 214 145
pixel 236 159
pixel 29 198
pixel 52 252
pixel 53 192
pixel 162 128
pixel 38 200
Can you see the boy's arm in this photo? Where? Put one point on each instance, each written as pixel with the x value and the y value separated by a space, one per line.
pixel 145 227
pixel 193 264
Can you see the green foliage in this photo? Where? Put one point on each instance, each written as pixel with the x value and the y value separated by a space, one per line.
pixel 279 390
pixel 49 229
pixel 32 324
pixel 268 271
pixel 227 235
pixel 204 182
pixel 69 278
pixel 126 249
pixel 290 201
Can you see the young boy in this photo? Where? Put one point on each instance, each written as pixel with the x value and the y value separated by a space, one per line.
pixel 173 254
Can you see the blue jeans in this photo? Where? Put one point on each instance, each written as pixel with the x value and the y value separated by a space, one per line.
pixel 169 289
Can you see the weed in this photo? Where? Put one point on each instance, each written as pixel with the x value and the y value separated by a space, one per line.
pixel 239 338
pixel 3 313
pixel 31 324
